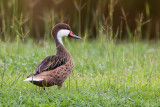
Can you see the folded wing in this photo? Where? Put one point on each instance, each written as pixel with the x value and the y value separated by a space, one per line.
pixel 50 63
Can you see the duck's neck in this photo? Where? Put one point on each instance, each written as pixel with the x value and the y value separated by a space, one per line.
pixel 60 48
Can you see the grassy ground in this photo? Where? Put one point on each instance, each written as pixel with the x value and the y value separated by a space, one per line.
pixel 105 74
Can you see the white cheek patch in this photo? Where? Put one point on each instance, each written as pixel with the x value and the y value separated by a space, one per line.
pixel 62 33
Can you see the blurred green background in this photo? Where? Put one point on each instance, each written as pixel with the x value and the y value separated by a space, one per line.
pixel 115 18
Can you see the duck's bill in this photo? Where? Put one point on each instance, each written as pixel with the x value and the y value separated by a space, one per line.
pixel 71 34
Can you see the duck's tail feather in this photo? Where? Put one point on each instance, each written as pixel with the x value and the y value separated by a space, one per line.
pixel 32 78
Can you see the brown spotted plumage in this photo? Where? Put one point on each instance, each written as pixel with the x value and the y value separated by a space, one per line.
pixel 54 70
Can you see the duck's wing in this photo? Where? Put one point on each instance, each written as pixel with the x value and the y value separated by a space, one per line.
pixel 50 63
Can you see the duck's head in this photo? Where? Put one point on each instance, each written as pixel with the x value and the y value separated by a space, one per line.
pixel 60 30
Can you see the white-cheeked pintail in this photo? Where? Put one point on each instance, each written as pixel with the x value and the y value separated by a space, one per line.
pixel 54 69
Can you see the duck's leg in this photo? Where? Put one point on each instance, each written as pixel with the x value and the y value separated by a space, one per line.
pixel 59 86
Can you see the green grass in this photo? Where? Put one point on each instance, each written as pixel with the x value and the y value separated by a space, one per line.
pixel 105 74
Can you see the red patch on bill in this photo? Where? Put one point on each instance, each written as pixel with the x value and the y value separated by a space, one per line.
pixel 71 34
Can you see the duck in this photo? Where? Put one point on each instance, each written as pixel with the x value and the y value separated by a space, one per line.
pixel 54 69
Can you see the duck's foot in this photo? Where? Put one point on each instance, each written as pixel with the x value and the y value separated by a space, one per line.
pixel 44 88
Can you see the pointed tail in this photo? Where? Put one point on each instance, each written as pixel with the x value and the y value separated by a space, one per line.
pixel 33 78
